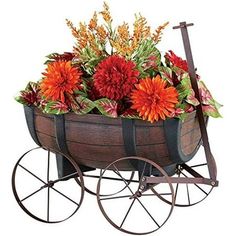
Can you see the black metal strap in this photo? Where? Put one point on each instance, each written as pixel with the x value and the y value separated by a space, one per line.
pixel 29 115
pixel 191 68
pixel 129 137
pixel 128 130
pixel 60 133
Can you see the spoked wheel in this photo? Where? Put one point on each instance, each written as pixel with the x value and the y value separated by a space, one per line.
pixel 189 194
pixel 39 191
pixel 136 210
pixel 91 179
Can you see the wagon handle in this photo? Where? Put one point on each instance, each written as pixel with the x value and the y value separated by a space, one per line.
pixel 192 73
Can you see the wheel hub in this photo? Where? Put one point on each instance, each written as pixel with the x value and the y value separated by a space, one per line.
pixel 137 194
pixel 50 184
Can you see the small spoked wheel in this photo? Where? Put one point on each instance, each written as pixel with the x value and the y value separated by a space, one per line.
pixel 91 179
pixel 137 209
pixel 189 194
pixel 41 193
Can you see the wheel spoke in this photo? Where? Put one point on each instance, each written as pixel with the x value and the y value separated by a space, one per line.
pixel 127 185
pixel 118 197
pixel 188 194
pixel 32 173
pixel 62 194
pixel 155 193
pixel 48 167
pixel 148 213
pixel 195 184
pixel 176 188
pixel 123 221
pixel 73 175
pixel 48 205
pixel 204 164
pixel 30 195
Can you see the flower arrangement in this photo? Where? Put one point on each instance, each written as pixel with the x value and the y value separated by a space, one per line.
pixel 117 72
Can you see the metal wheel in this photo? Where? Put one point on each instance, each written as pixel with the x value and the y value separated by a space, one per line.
pixel 137 209
pixel 190 194
pixel 91 178
pixel 39 191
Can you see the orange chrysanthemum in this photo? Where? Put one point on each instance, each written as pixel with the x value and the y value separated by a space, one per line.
pixel 153 99
pixel 60 78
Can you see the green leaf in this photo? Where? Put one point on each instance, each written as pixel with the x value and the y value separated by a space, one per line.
pixel 183 92
pixel 210 110
pixel 182 116
pixel 191 99
pixel 107 107
pixel 216 104
pixel 130 114
pixel 80 105
pixel 30 96
pixel 84 105
pixel 166 74
pixel 56 108
pixel 21 100
pixel 178 71
pixel 143 57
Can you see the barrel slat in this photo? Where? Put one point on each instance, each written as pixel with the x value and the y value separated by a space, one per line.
pixel 47 141
pixel 44 124
pixel 92 133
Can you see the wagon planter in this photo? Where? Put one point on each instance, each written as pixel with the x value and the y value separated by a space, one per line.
pixel 137 170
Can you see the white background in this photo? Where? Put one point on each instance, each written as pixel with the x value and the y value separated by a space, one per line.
pixel 29 30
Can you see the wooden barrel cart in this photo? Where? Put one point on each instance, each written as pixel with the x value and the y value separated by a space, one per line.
pixel 132 166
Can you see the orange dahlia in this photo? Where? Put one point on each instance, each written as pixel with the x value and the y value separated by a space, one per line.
pixel 115 77
pixel 60 78
pixel 153 99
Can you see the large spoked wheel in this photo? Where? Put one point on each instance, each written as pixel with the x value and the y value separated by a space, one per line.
pixel 91 179
pixel 41 193
pixel 190 194
pixel 137 209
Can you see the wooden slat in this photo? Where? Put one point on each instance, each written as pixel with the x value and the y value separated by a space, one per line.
pixel 47 141
pixel 149 135
pixel 93 133
pixel 44 124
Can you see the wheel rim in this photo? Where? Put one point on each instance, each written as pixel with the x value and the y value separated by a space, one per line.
pixel 134 214
pixel 189 194
pixel 37 191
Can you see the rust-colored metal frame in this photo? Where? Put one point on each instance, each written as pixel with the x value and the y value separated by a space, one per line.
pixel 197 178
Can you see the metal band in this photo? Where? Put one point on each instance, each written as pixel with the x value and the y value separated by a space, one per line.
pixel 192 73
pixel 129 137
pixel 29 115
pixel 60 134
pixel 128 130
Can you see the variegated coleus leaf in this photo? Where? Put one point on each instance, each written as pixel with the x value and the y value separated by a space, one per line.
pixel 184 89
pixel 166 74
pixel 130 114
pixel 210 105
pixel 30 96
pixel 107 107
pixel 191 99
pixel 182 110
pixel 211 110
pixel 79 104
pixel 56 108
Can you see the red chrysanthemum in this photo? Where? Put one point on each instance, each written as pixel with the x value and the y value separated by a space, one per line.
pixel 153 100
pixel 176 61
pixel 60 78
pixel 115 77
